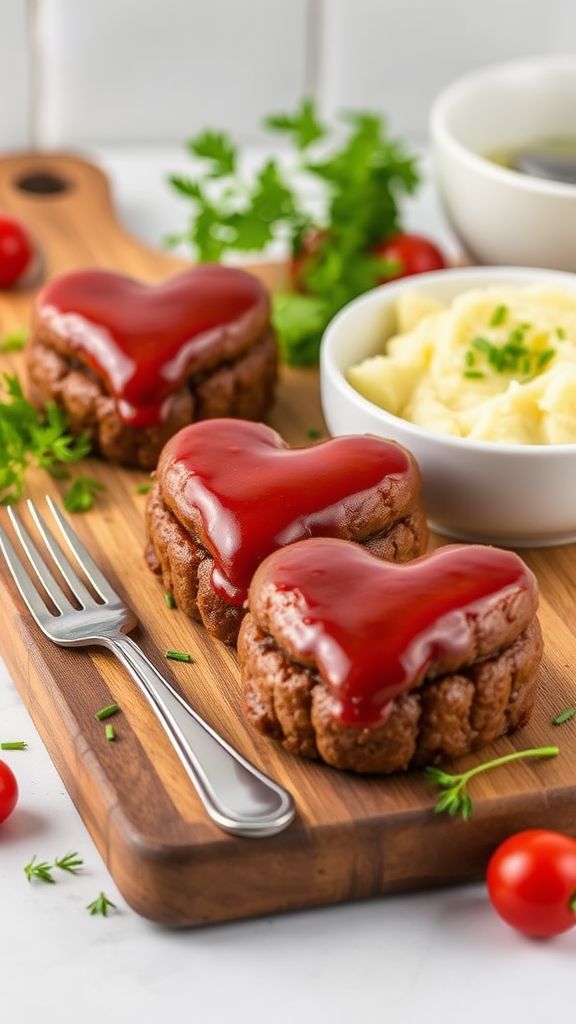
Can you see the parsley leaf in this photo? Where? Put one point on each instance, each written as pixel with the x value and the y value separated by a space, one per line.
pixel 80 495
pixel 217 148
pixel 304 125
pixel 363 180
pixel 30 438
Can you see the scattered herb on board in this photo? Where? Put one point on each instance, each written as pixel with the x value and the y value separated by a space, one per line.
pixel 41 871
pixel 30 438
pixel 81 494
pixel 71 863
pixel 178 656
pixel 169 599
pixel 110 709
pixel 14 341
pixel 110 732
pixel 362 180
pixel 314 434
pixel 101 905
pixel 143 488
pixel 564 716
pixel 14 745
pixel 455 798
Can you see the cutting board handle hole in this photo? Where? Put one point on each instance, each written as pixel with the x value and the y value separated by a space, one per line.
pixel 42 183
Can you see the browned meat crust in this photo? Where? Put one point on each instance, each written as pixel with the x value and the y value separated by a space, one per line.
pixel 242 386
pixel 449 715
pixel 174 551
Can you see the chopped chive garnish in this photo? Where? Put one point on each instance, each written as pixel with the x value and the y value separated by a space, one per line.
pixel 14 745
pixel 142 488
pixel 14 341
pixel 178 656
pixel 169 598
pixel 109 732
pixel 498 316
pixel 560 333
pixel 110 709
pixel 469 358
pixel 545 357
pixel 314 433
pixel 564 716
pixel 474 374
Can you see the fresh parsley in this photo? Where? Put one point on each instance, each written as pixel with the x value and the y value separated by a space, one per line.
pixel 29 438
pixel 455 798
pixel 363 180
pixel 81 494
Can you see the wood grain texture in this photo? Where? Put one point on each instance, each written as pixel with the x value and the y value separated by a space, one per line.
pixel 353 837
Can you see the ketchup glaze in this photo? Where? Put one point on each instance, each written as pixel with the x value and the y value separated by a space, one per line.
pixel 254 494
pixel 145 340
pixel 374 628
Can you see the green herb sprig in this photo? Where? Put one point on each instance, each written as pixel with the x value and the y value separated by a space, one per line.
pixel 82 493
pixel 42 871
pixel 455 798
pixel 29 438
pixel 363 181
pixel 71 863
pixel 101 905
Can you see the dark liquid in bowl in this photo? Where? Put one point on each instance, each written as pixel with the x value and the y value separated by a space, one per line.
pixel 553 158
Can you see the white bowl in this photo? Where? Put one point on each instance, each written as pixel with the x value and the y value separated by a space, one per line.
pixel 512 495
pixel 501 215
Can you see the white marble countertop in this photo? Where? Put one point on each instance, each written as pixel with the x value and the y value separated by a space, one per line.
pixel 440 955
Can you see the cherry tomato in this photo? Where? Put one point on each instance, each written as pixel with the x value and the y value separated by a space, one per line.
pixel 415 254
pixel 8 791
pixel 16 251
pixel 532 882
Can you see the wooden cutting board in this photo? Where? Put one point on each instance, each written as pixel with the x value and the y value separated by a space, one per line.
pixel 353 837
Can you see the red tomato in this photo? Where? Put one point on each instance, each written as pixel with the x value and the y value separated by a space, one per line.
pixel 415 254
pixel 16 251
pixel 8 791
pixel 532 882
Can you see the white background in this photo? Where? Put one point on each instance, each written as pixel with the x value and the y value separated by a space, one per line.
pixel 128 81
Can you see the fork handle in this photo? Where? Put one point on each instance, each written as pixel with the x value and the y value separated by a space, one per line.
pixel 237 796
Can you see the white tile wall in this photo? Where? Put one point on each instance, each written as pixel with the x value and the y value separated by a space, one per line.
pixel 14 75
pixel 123 72
pixel 119 71
pixel 395 55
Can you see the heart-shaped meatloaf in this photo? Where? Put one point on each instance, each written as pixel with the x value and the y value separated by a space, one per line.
pixel 374 667
pixel 230 492
pixel 132 363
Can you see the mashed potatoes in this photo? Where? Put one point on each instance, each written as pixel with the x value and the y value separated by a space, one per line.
pixel 498 364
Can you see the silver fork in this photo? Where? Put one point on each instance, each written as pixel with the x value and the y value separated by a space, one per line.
pixel 237 796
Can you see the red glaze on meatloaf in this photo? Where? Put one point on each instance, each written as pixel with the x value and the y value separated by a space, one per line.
pixel 374 667
pixel 229 493
pixel 132 363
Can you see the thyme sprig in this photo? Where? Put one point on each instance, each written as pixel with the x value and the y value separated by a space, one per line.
pixel 455 798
